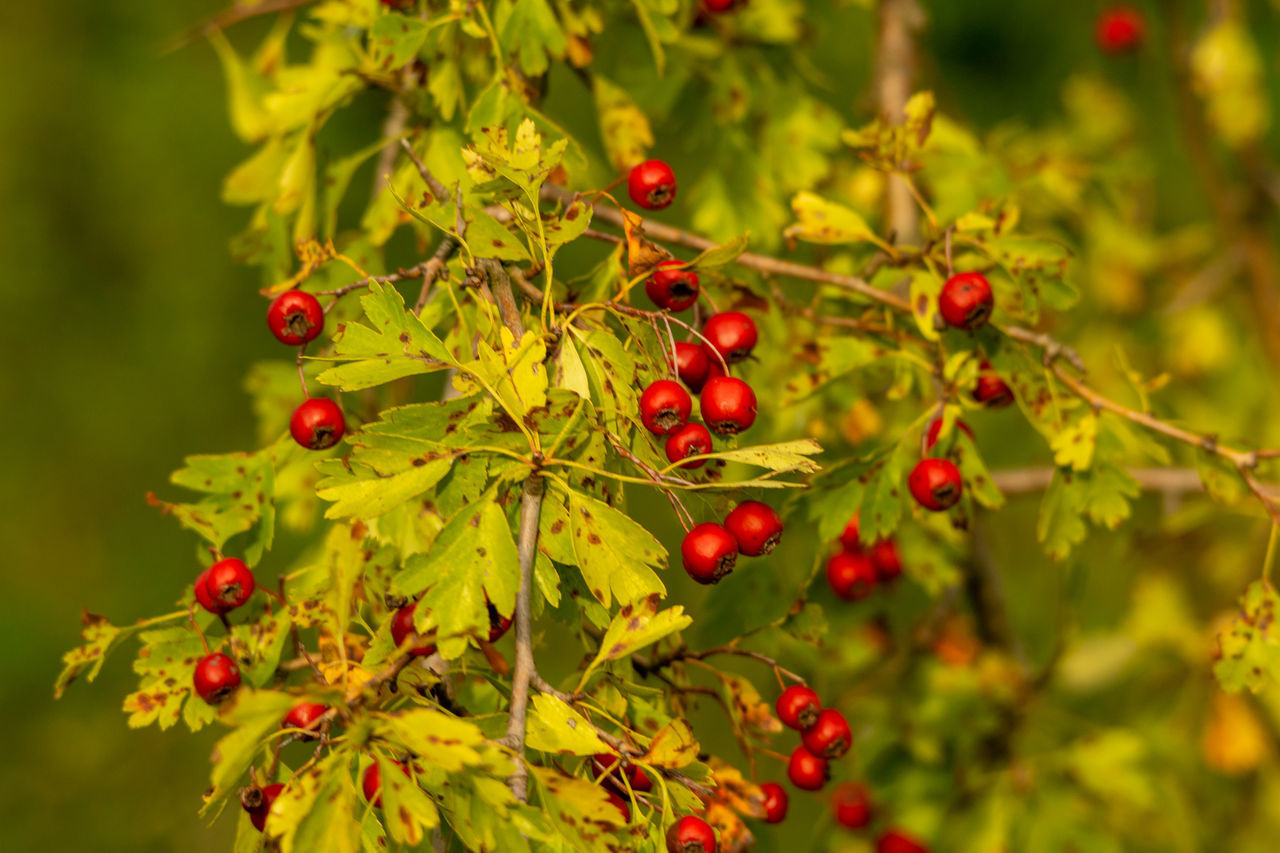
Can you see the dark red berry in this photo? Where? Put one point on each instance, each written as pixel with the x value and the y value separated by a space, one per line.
pixel 966 301
pixel 690 440
pixel 402 629
pixel 671 287
pixel 885 559
pixel 257 802
pixel 935 430
pixel 990 390
pixel 775 802
pixel 295 317
pixel 652 185
pixel 499 625
pixel 304 715
pixel 756 527
pixel 732 333
pixel 851 574
pixel 371 783
pixel 715 6
pixel 849 538
pixel 935 484
pixel 215 678
pixel 728 405
pixel 606 764
pixel 227 585
pixel 829 737
pixel 1120 29
pixel 709 552
pixel 317 423
pixel 691 834
pixel 664 407
pixel 807 771
pixel 798 707
pixel 852 805
pixel 619 803
pixel 897 841
pixel 693 365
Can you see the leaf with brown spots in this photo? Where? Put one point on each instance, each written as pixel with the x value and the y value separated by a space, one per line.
pixel 673 746
pixel 394 344
pixel 435 738
pixel 553 726
pixel 615 554
pixel 166 662
pixel 99 636
pixel 635 626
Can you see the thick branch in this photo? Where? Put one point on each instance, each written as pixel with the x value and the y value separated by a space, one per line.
pixel 530 510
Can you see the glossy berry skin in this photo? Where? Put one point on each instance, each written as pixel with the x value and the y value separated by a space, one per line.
pixel 708 552
pixel 732 333
pixel 227 585
pixel 693 365
pixel 775 802
pixel 402 629
pixel 990 390
pixel 798 707
pixel 620 803
pixel 755 526
pixel 652 185
pixel 849 537
pixel 1120 30
pixel 671 287
pixel 728 405
pixel 807 771
pixel 295 317
pixel 499 625
pixel 851 574
pixel 690 440
pixel 935 484
pixel 966 301
pixel 829 737
pixel 317 424
pixel 897 841
pixel 691 835
pixel 886 560
pixel 215 678
pixel 261 804
pixel 935 430
pixel 606 764
pixel 665 407
pixel 201 590
pixel 852 805
pixel 304 715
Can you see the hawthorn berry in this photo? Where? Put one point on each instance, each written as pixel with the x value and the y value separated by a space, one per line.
pixel 935 430
pixel 990 390
pixel 690 440
pixel 775 802
pixel 849 536
pixel 852 805
pixel 715 6
pixel 728 405
pixel 897 841
pixel 829 737
pixel 371 782
pixel 732 334
pixel 664 407
pixel 798 707
pixel 807 771
pixel 304 716
pixel 935 484
pixel 1120 29
pixel 708 552
pixel 756 527
pixel 607 764
pixel 295 317
pixel 257 802
pixel 499 625
pixel 226 584
pixel 693 365
pixel 672 287
pixel 402 629
pixel 652 185
pixel 201 590
pixel 317 423
pixel 966 301
pixel 620 803
pixel 886 560
pixel 851 575
pixel 215 678
pixel 691 834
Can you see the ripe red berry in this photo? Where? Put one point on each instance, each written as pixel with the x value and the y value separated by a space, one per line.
pixel 732 333
pixel 849 537
pixel 728 405
pixel 304 715
pixel 798 707
pixel 402 628
pixel 691 835
pixel 897 841
pixel 664 407
pixel 693 365
pixel 227 584
pixel 852 805
pixel 371 782
pixel 499 625
pixel 935 484
pixel 607 764
pixel 829 737
pixel 671 287
pixel 652 185
pixel 317 423
pixel 756 527
pixel 851 574
pixel 201 590
pixel 807 771
pixel 1120 29
pixel 709 552
pixel 623 807
pixel 990 390
pixel 886 560
pixel 690 440
pixel 257 802
pixel 295 317
pixel 935 430
pixel 715 6
pixel 215 678
pixel 775 802
pixel 966 301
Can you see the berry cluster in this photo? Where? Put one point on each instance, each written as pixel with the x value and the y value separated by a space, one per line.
pixel 296 318
pixel 709 551
pixel 854 571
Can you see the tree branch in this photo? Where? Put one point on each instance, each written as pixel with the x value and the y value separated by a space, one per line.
pixel 895 69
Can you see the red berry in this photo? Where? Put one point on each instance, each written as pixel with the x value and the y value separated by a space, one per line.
pixel 935 484
pixel 215 678
pixel 966 301
pixel 691 835
pixel 990 390
pixel 227 585
pixel 885 559
pixel 728 405
pixel 664 407
pixel 623 807
pixel 732 333
pixel 829 737
pixel 849 538
pixel 798 707
pixel 606 764
pixel 756 527
pixel 402 628
pixel 499 625
pixel 709 552
pixel 257 802
pixel 775 802
pixel 317 423
pixel 201 589
pixel 1120 29
pixel 304 715
pixel 671 287
pixel 714 6
pixel 935 429
pixel 690 440
pixel 852 805
pixel 897 841
pixel 652 185
pixel 371 783
pixel 693 365
pixel 295 317
pixel 851 575
pixel 807 771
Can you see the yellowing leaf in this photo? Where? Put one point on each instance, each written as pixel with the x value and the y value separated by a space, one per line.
pixel 825 222
pixel 435 738
pixel 637 625
pixel 673 746
pixel 1073 446
pixel 553 726
pixel 623 126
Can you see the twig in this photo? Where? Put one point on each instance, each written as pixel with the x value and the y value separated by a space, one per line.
pixel 438 190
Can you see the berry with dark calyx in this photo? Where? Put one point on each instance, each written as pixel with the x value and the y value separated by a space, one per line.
pixel 607 764
pixel 732 333
pixel 966 301
pixel 849 537
pixel 886 560
pixel 227 584
pixel 691 834
pixel 851 574
pixel 652 185
pixel 402 629
pixel 897 841
pixel 756 527
pixel 295 317
pixel 829 737
pixel 620 803
pixel 990 390
pixel 499 625
pixel 935 430
pixel 664 407
pixel 690 440
pixel 317 424
pixel 693 365
pixel 708 552
pixel 852 805
pixel 1120 29
pixel 935 484
pixel 304 715
pixel 807 771
pixel 728 405
pixel 798 707
pixel 371 782
pixel 672 287
pixel 775 802
pixel 257 802
pixel 215 678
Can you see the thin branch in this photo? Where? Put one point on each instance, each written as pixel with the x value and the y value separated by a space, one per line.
pixel 438 189
pixel 895 70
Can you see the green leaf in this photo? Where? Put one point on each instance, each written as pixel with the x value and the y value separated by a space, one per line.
pixel 623 126
pixel 1073 446
pixel 637 625
pixel 100 637
pixel 513 373
pixel 827 223
pixel 1249 650
pixel 531 28
pixel 240 489
pixel 166 663
pixel 579 809
pixel 396 39
pixel 255 715
pixel 307 827
pixel 722 255
pixel 1061 526
pixel 553 726
pixel 780 458
pixel 615 554
pixel 436 739
pixel 395 344
pixel 407 811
